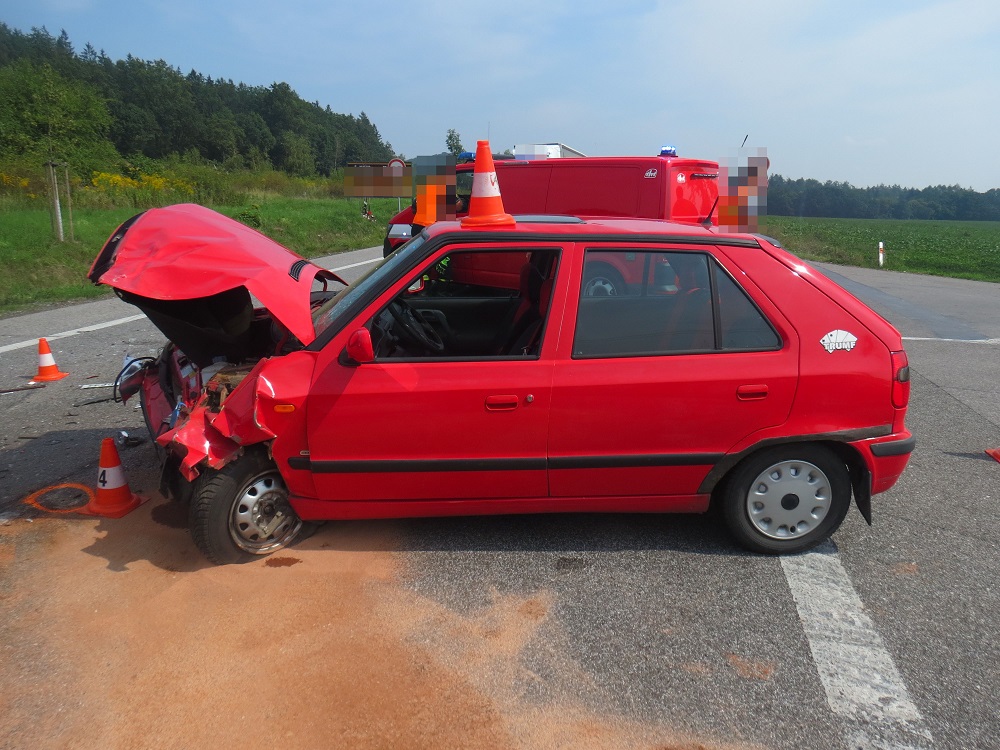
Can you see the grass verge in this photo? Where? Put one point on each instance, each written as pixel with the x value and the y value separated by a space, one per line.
pixel 960 249
pixel 35 268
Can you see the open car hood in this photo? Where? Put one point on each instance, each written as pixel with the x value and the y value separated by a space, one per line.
pixel 188 252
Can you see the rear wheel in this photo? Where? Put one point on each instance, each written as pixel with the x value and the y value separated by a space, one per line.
pixel 602 281
pixel 787 499
pixel 241 512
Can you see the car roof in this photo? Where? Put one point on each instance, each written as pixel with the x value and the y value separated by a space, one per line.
pixel 596 227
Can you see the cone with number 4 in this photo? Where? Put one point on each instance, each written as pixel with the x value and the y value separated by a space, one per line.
pixel 113 498
pixel 486 205
pixel 47 369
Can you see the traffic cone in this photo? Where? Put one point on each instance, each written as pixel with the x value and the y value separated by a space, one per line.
pixel 47 370
pixel 993 453
pixel 486 206
pixel 113 498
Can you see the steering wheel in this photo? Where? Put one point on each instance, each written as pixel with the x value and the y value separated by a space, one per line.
pixel 414 329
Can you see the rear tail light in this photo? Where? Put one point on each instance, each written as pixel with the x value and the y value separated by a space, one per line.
pixel 900 380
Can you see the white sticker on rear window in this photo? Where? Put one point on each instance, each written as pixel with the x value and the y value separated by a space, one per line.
pixel 839 340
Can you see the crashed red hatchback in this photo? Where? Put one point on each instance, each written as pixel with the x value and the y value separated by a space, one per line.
pixel 729 372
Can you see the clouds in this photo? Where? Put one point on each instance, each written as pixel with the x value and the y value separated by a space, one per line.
pixel 896 92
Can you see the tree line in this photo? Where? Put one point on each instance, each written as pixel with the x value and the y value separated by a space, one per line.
pixel 804 197
pixel 85 108
pixel 94 112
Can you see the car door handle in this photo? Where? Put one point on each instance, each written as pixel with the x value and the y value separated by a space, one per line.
pixel 501 403
pixel 751 392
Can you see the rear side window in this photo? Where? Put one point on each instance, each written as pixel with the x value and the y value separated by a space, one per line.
pixel 644 303
pixel 742 325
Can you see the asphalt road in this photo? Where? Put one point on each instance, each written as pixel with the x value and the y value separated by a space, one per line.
pixel 888 637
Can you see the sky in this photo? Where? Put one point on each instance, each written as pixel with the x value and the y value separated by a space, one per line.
pixel 895 92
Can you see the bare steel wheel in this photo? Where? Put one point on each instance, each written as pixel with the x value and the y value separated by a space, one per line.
pixel 242 512
pixel 787 499
pixel 261 520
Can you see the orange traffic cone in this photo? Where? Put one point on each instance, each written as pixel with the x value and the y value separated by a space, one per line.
pixel 113 498
pixel 993 453
pixel 486 205
pixel 47 370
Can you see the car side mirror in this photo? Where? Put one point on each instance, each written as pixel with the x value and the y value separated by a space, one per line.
pixel 359 346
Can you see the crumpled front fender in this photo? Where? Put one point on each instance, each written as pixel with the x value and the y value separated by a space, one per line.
pixel 266 403
pixel 238 418
pixel 195 441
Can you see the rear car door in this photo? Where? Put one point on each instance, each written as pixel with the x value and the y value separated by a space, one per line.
pixel 662 380
pixel 468 423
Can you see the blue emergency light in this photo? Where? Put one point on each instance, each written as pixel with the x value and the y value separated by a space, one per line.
pixel 668 151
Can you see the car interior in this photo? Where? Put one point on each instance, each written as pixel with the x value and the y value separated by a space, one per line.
pixel 470 305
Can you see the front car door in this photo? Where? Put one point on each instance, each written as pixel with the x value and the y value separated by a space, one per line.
pixel 468 422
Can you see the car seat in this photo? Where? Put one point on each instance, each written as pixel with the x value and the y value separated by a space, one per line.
pixel 528 315
pixel 690 323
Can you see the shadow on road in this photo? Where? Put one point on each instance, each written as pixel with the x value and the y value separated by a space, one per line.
pixel 157 531
pixel 554 532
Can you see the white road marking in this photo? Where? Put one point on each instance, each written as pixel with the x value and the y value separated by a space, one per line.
pixel 74 332
pixel 863 686
pixel 991 342
pixel 129 319
pixel 355 265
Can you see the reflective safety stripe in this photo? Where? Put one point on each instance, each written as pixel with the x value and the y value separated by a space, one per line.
pixel 110 478
pixel 485 185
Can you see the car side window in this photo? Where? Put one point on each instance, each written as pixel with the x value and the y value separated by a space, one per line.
pixel 469 304
pixel 643 303
pixel 742 324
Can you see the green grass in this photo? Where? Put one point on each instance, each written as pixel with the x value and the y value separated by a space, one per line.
pixel 35 268
pixel 961 249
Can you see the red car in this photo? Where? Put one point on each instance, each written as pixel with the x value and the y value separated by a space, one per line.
pixel 755 384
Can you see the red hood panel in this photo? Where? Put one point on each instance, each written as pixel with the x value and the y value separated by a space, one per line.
pixel 188 251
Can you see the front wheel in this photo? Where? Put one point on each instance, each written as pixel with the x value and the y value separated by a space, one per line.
pixel 787 499
pixel 241 512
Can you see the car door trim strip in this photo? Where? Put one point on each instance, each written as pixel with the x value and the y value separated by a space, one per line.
pixel 501 464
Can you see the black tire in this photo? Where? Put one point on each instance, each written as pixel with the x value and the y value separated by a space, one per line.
pixel 386 248
pixel 228 504
pixel 601 280
pixel 786 499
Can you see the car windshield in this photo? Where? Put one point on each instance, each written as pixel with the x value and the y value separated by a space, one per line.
pixel 325 315
pixel 463 184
